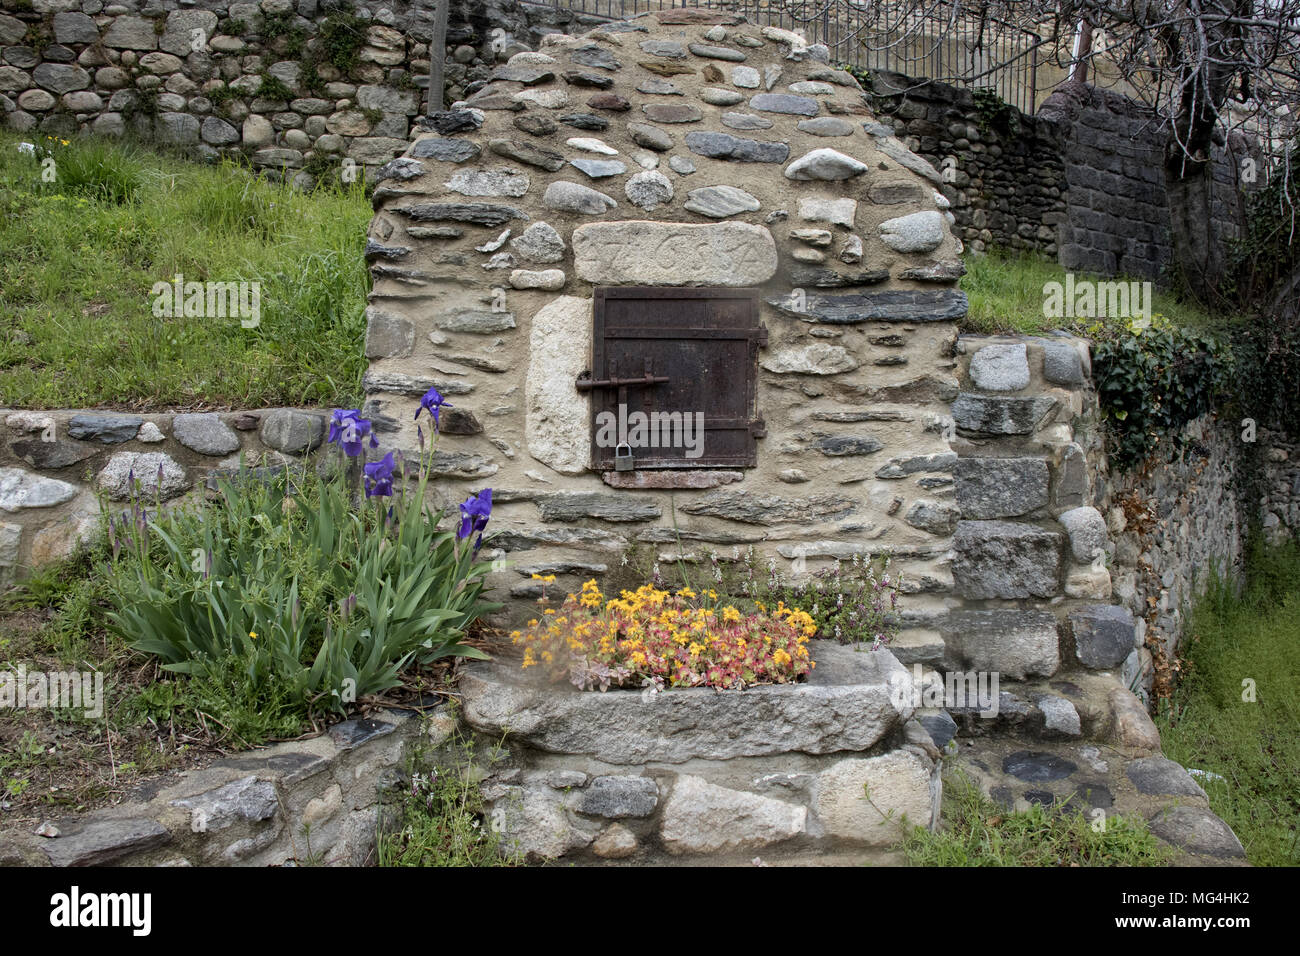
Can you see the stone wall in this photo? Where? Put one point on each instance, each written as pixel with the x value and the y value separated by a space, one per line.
pixel 1173 523
pixel 1005 174
pixel 1083 180
pixel 303 803
pixel 1117 218
pixel 624 158
pixel 1280 520
pixel 139 66
pixel 56 467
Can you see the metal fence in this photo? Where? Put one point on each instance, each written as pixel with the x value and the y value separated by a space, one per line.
pixel 935 41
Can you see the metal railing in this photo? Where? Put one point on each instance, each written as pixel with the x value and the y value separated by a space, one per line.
pixel 936 41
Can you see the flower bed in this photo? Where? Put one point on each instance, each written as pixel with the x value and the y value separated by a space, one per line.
pixel 653 638
pixel 296 586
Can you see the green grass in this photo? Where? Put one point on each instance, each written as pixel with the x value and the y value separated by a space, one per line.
pixel 1006 296
pixel 81 254
pixel 1254 745
pixel 978 832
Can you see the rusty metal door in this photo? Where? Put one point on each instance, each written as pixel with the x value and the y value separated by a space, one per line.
pixel 687 351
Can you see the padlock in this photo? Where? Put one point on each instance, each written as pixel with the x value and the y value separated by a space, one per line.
pixel 623 458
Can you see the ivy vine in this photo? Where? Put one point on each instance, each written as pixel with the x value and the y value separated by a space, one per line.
pixel 1153 379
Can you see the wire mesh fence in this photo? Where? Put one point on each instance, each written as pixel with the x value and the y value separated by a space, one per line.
pixel 934 40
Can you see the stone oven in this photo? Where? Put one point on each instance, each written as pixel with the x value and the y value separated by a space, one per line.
pixel 672 270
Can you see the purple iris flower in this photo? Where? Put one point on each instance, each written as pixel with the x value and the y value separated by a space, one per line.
pixel 379 476
pixel 348 428
pixel 474 514
pixel 431 403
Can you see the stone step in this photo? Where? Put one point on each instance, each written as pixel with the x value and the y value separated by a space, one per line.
pixel 1071 705
pixel 1074 774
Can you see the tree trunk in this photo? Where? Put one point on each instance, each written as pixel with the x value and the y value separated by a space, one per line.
pixel 1198 255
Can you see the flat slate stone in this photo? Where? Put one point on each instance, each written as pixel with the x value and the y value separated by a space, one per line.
pixel 672 113
pixel 945 270
pixel 289 767
pixel 818 278
pixel 594 56
pixel 900 154
pixel 527 74
pixel 479 321
pixel 826 126
pixel 576 505
pixel 839 446
pixel 657 87
pixel 751 508
pixel 717 52
pixel 890 305
pixel 446 149
pixel 596 81
pixel 586 120
pixel 666 68
pixel 607 101
pixel 357 731
pixel 53 454
pixel 535 124
pixel 528 153
pixel 784 103
pixel 745 121
pixel 615 797
pixel 719 202
pixel 903 467
pixel 103 841
pixel 670 49
pixel 489 182
pixel 105 429
pixel 726 146
pixel 247 800
pixel 479 213
pixel 599 168
pixel 453 121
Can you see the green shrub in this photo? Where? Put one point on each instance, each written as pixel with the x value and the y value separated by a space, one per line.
pixel 301 593
pixel 1152 380
pixel 342 35
pixel 273 88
